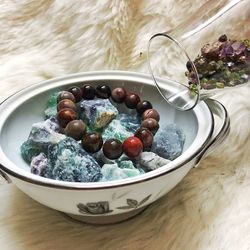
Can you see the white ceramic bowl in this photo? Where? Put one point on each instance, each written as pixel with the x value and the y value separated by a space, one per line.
pixel 104 202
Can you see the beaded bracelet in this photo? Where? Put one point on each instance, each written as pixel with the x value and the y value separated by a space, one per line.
pixel 93 142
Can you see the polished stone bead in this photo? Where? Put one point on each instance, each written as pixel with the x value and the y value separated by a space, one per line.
pixel 88 92
pixel 151 124
pixel 92 142
pixel 151 113
pixel 77 92
pixel 103 91
pixel 118 94
pixel 75 129
pixel 112 149
pixel 66 103
pixel 66 115
pixel 132 100
pixel 142 106
pixel 66 95
pixel 146 137
pixel 132 146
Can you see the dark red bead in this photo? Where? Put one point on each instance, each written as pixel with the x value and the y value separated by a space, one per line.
pixel 77 92
pixel 92 142
pixel 132 146
pixel 66 95
pixel 88 92
pixel 64 116
pixel 75 129
pixel 151 113
pixel 103 91
pixel 112 149
pixel 143 106
pixel 66 103
pixel 132 100
pixel 150 124
pixel 118 94
pixel 146 137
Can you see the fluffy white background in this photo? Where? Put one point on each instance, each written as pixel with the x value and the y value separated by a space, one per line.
pixel 210 208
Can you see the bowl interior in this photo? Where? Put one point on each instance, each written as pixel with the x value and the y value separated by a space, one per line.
pixel 20 111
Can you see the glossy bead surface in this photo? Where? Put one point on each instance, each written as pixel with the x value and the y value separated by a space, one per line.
pixel 132 146
pixel 88 92
pixel 142 106
pixel 151 124
pixel 103 91
pixel 66 103
pixel 66 115
pixel 151 113
pixel 75 129
pixel 146 137
pixel 77 92
pixel 66 95
pixel 112 149
pixel 118 94
pixel 132 100
pixel 92 142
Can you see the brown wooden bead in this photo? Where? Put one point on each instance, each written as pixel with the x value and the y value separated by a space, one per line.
pixel 66 115
pixel 132 100
pixel 112 149
pixel 118 94
pixel 146 137
pixel 92 142
pixel 150 124
pixel 151 113
pixel 77 92
pixel 75 129
pixel 66 103
pixel 66 95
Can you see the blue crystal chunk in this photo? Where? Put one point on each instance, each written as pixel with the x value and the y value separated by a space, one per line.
pixel 168 142
pixel 67 161
pixel 97 113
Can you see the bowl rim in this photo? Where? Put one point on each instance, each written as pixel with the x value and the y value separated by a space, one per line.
pixel 9 167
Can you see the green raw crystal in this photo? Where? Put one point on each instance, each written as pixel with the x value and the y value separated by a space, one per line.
pixel 51 108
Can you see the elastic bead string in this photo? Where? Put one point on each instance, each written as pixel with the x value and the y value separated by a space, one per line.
pixel 93 142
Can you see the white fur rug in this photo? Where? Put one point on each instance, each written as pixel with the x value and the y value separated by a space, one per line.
pixel 210 208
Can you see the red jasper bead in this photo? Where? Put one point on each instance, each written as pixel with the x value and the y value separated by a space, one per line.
pixel 66 115
pixel 132 146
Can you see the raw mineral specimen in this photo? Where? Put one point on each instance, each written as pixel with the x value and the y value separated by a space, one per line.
pixel 97 113
pixel 51 109
pixel 223 63
pixel 150 161
pixel 112 172
pixel 168 142
pixel 42 135
pixel 122 127
pixel 67 161
pixel 38 164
